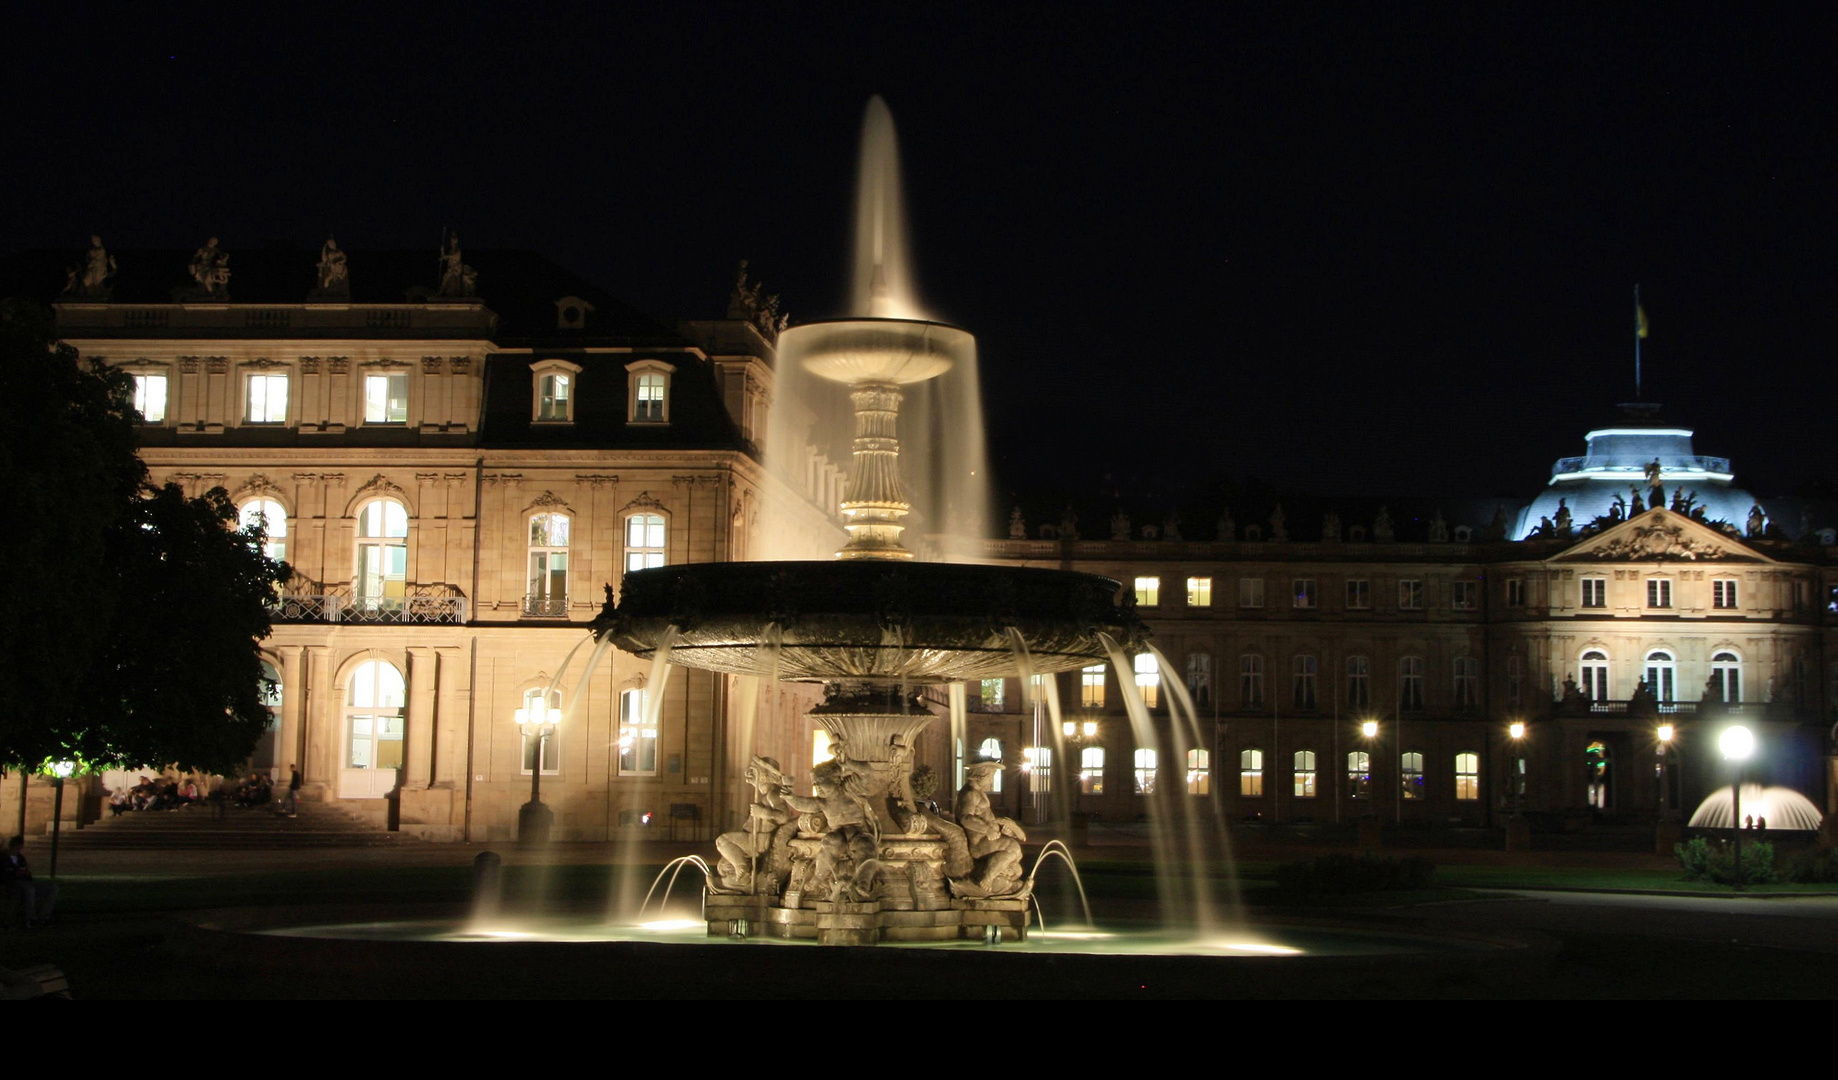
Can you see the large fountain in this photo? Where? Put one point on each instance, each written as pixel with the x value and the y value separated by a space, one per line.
pixel 860 860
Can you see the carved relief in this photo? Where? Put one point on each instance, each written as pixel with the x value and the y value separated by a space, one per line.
pixel 379 485
pixel 1661 540
pixel 263 362
pixel 644 501
pixel 460 365
pixel 595 479
pixel 548 500
pixel 216 365
pixel 338 365
pixel 188 365
pixel 430 365
pixel 427 478
pixel 256 485
pixel 309 365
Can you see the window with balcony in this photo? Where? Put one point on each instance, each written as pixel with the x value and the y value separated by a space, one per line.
pixel 1148 592
pixel 637 735
pixel 1251 774
pixel 1199 592
pixel 548 595
pixel 1595 592
pixel 267 516
pixel 265 400
pixel 1302 676
pixel 1304 774
pixel 1723 593
pixel 1595 675
pixel 1662 675
pixel 382 556
pixel 1410 594
pixel 150 398
pixel 1726 676
pixel 1251 592
pixel 386 399
pixel 1091 686
pixel 1199 772
pixel 644 541
pixel 1410 684
pixel 1359 594
pixel 1250 680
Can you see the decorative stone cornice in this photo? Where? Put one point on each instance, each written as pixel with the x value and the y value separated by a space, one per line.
pixel 380 485
pixel 309 365
pixel 595 480
pixel 256 485
pixel 644 501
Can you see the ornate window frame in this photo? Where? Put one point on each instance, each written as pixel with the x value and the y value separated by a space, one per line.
pixel 634 371
pixel 543 369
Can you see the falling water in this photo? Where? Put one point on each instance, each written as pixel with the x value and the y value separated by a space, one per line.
pixel 1188 735
pixel 673 869
pixel 881 279
pixel 959 729
pixel 630 852
pixel 1780 807
pixel 1161 819
pixel 1059 849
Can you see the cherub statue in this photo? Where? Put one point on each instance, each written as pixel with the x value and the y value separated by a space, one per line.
pixel 840 810
pixel 770 821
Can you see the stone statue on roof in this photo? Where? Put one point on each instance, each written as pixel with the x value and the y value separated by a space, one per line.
pixel 1119 526
pixel 1562 521
pixel 1617 511
pixel 1635 507
pixel 1171 526
pixel 1758 521
pixel 1330 526
pixel 1278 534
pixel 334 279
pixel 456 278
pixel 1068 524
pixel 747 301
pixel 1228 529
pixel 1017 525
pixel 1439 529
pixel 90 281
pixel 1381 526
pixel 210 268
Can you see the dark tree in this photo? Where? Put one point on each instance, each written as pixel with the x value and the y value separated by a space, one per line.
pixel 129 615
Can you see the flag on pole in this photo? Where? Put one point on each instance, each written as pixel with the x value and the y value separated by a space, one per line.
pixel 1640 320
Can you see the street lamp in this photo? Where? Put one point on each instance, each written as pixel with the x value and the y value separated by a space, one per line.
pixel 60 772
pixel 1517 730
pixel 1666 734
pixel 1737 743
pixel 1076 735
pixel 538 719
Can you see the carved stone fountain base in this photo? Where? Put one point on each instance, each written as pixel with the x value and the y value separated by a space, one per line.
pixel 867 922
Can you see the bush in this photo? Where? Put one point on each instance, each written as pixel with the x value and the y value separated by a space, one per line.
pixel 1816 867
pixel 1338 874
pixel 1716 861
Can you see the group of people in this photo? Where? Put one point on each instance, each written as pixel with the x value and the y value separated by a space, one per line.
pixel 163 793
pixel 177 792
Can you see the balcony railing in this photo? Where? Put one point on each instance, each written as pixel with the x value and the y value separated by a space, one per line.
pixel 424 605
pixel 545 606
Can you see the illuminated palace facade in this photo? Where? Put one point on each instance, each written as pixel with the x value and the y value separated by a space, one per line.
pixel 453 478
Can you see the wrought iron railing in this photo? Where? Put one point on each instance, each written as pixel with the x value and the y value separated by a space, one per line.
pixel 545 606
pixel 424 605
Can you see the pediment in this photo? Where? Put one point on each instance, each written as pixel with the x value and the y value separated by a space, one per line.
pixel 1661 536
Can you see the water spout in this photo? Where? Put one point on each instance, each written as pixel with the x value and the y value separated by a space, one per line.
pixel 881 280
pixel 1058 849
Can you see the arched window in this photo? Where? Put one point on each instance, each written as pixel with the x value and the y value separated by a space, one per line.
pixel 1200 678
pixel 1359 682
pixel 1410 764
pixel 382 556
pixel 1091 770
pixel 1302 670
pixel 650 391
pixel 551 747
pixel 1410 683
pixel 1145 772
pixel 991 750
pixel 1726 676
pixel 637 736
pixel 1467 683
pixel 1359 775
pixel 1199 772
pixel 644 541
pixel 1662 675
pixel 1250 680
pixel 267 515
pixel 1467 777
pixel 1595 675
pixel 373 717
pixel 1251 773
pixel 1148 679
pixel 548 593
pixel 1304 761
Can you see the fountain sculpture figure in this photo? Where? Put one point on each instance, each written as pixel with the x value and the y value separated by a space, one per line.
pixel 859 860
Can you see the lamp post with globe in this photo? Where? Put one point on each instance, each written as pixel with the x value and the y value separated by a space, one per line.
pixel 1737 744
pixel 60 772
pixel 538 719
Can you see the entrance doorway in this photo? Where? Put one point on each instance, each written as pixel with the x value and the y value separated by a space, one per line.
pixel 373 731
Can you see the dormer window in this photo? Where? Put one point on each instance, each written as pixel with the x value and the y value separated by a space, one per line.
pixel 649 392
pixel 553 393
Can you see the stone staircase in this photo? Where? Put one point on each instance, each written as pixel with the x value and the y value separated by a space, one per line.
pixel 319 825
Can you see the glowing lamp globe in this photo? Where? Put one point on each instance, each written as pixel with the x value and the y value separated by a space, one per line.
pixel 1369 729
pixel 1516 730
pixel 1737 742
pixel 1665 733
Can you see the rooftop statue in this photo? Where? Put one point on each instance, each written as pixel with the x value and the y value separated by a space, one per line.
pixel 1758 521
pixel 1562 521
pixel 1381 526
pixel 334 280
pixel 90 281
pixel 1171 528
pixel 210 268
pixel 1330 526
pixel 746 301
pixel 1635 506
pixel 456 278
pixel 1278 534
pixel 1017 525
pixel 1228 529
pixel 1439 529
pixel 1068 524
pixel 1119 526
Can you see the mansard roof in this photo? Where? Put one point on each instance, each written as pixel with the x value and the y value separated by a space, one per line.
pixel 1661 536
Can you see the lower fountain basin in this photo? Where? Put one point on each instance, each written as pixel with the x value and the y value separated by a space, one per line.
pixel 867 619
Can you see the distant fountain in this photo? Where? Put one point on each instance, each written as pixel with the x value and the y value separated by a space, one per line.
pixel 1781 808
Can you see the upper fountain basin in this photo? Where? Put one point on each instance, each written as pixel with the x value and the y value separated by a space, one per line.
pixel 865 350
pixel 850 620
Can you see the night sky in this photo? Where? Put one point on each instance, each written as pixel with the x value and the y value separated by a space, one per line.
pixel 1385 249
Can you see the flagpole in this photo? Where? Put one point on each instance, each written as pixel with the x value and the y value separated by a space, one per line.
pixel 1637 391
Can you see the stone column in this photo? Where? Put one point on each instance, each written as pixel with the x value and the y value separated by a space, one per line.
pixel 293 697
pixel 323 720
pixel 418 734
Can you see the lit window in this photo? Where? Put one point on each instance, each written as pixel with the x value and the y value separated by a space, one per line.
pixel 150 398
pixel 1467 594
pixel 555 398
pixel 1251 774
pixel 382 556
pixel 1410 594
pixel 1199 772
pixel 1467 683
pixel 1659 592
pixel 1726 677
pixel 644 541
pixel 994 692
pixel 1091 686
pixel 1091 770
pixel 637 737
pixel 551 747
pixel 373 716
pixel 1148 679
pixel 1251 592
pixel 991 750
pixel 1595 592
pixel 1145 772
pixel 1661 676
pixel 1410 683
pixel 1304 774
pixel 1200 678
pixel 386 399
pixel 1250 680
pixel 1359 682
pixel 650 391
pixel 1359 594
pixel 1199 592
pixel 1039 760
pixel 1359 775
pixel 1411 765
pixel 1515 592
pixel 267 403
pixel 1148 591
pixel 548 593
pixel 1467 777
pixel 1304 592
pixel 1595 675
pixel 268 516
pixel 1723 593
pixel 1302 671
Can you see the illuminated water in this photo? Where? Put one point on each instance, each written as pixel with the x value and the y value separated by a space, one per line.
pixel 1781 808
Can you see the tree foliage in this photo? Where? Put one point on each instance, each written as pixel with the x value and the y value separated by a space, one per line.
pixel 131 614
